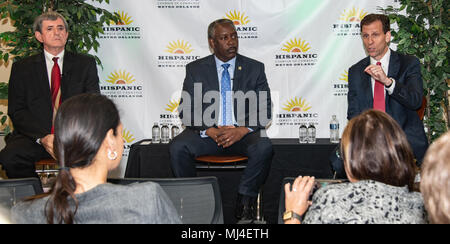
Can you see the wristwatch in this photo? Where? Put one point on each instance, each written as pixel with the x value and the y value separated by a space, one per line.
pixel 288 215
pixel 393 80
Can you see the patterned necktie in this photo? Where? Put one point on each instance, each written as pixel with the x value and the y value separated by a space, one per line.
pixel 225 92
pixel 55 87
pixel 378 95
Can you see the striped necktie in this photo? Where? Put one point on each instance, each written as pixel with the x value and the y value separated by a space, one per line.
pixel 378 95
pixel 55 88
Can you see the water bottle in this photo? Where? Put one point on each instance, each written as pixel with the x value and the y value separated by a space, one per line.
pixel 165 134
pixel 334 130
pixel 156 133
pixel 311 133
pixel 175 131
pixel 302 134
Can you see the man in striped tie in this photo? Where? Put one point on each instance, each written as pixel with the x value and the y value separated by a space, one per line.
pixel 388 81
pixel 225 107
pixel 37 86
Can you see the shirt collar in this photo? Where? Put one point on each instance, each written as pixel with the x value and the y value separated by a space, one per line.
pixel 50 56
pixel 219 63
pixel 384 60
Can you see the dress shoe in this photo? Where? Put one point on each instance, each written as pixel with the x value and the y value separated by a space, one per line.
pixel 245 211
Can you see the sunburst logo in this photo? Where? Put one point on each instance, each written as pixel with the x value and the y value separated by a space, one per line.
pixel 127 136
pixel 296 105
pixel 344 76
pixel 237 17
pixel 179 47
pixel 124 19
pixel 120 77
pixel 296 46
pixel 354 15
pixel 173 106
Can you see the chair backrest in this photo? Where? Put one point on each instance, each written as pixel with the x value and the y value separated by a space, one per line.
pixel 197 199
pixel 15 190
pixel 281 206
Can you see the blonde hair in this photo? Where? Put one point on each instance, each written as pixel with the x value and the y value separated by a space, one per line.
pixel 435 180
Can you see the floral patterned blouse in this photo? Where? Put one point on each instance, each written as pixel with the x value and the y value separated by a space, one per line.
pixel 365 202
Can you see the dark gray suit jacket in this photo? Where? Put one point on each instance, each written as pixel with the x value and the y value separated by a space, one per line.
pixel 29 99
pixel 401 105
pixel 252 100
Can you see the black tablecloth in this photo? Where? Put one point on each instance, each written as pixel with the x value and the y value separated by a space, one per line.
pixel 291 158
pixel 146 160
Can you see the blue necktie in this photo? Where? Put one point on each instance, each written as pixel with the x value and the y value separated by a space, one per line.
pixel 225 92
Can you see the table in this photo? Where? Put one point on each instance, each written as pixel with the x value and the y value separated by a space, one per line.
pixel 146 160
pixel 292 159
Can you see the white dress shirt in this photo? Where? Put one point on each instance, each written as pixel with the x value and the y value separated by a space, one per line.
pixel 385 66
pixel 220 69
pixel 49 62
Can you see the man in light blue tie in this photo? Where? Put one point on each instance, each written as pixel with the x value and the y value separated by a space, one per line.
pixel 225 106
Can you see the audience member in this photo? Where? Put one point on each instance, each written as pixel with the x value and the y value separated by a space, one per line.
pixel 380 167
pixel 435 180
pixel 88 143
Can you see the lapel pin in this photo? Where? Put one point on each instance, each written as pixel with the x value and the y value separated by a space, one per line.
pixel 240 68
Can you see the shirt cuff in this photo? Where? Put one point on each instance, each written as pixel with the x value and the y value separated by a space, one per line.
pixel 390 90
pixel 203 134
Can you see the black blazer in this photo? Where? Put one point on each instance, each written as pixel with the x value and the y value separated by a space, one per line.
pixel 401 105
pixel 251 94
pixel 29 99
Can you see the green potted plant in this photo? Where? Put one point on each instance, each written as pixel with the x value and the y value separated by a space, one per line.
pixel 85 24
pixel 3 116
pixel 423 31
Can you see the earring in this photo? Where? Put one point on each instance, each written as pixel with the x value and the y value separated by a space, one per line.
pixel 112 155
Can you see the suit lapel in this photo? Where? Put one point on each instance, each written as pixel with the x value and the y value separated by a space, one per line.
pixel 367 84
pixel 43 80
pixel 211 80
pixel 65 76
pixel 42 86
pixel 238 73
pixel 394 67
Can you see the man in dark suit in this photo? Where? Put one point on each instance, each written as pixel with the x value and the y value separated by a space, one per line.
pixel 387 81
pixel 37 86
pixel 225 107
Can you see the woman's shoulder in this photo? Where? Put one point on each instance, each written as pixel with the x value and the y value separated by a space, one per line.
pixel 369 187
pixel 334 190
pixel 31 211
pixel 132 189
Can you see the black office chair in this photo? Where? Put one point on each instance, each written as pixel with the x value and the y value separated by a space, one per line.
pixel 15 190
pixel 197 199
pixel 281 206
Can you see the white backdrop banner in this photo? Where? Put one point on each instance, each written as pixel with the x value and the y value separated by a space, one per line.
pixel 307 47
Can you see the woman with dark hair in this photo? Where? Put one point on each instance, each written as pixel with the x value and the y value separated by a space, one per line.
pixel 88 143
pixel 380 167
